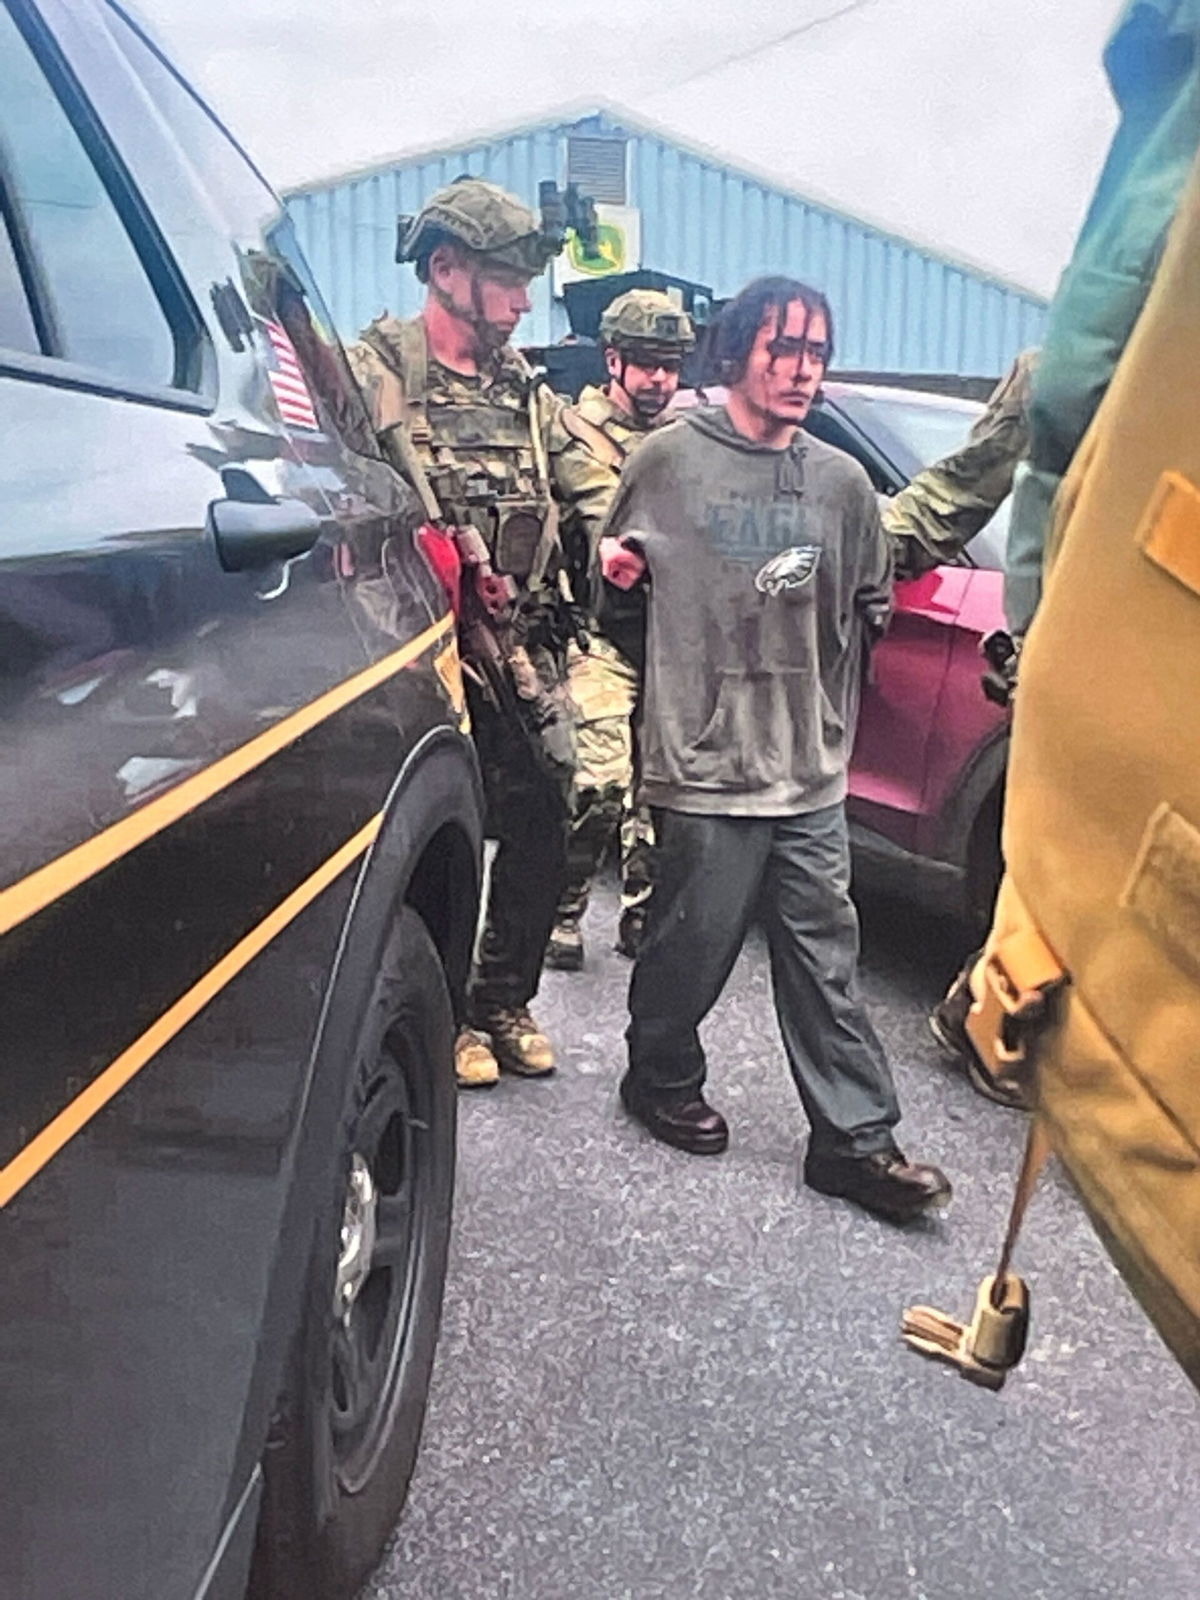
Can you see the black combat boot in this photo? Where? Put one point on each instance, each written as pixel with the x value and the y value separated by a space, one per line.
pixel 884 1182
pixel 564 953
pixel 948 1019
pixel 948 1025
pixel 686 1121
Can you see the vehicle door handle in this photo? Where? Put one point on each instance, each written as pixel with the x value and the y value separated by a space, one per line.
pixel 254 533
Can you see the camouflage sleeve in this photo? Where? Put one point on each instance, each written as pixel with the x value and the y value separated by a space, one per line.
pixel 944 507
pixel 583 485
pixel 585 488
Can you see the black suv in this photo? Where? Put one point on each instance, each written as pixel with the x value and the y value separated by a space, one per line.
pixel 239 865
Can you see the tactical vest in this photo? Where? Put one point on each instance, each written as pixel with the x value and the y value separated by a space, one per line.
pixel 479 442
pixel 621 431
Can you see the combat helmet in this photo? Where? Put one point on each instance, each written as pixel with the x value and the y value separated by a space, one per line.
pixel 646 322
pixel 488 221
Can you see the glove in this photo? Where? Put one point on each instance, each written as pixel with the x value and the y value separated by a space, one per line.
pixel 1001 652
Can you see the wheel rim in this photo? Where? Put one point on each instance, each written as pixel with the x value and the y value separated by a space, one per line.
pixel 379 1254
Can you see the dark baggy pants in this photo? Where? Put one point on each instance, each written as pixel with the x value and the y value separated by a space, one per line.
pixel 714 874
pixel 527 776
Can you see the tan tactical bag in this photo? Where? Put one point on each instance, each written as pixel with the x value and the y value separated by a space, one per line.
pixel 1102 829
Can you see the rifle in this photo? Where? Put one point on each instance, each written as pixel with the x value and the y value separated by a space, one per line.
pixel 484 596
pixel 485 608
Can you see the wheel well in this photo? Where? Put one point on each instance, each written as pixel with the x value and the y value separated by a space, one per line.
pixel 444 892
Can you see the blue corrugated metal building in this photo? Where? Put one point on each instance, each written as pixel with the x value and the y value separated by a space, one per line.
pixel 900 307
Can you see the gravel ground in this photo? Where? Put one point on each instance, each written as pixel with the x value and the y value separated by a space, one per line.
pixel 664 1378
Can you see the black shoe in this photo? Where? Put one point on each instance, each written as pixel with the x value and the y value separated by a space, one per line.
pixel 629 932
pixel 884 1182
pixel 564 953
pixel 948 1019
pixel 948 1025
pixel 689 1122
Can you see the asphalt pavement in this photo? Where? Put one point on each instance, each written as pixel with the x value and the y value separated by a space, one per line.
pixel 670 1378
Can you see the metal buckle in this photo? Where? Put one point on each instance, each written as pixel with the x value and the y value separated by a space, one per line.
pixel 986 1349
pixel 1021 978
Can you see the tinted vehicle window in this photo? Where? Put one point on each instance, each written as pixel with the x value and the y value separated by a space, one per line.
pixel 101 309
pixel 914 435
pixel 825 423
pixel 911 434
pixel 307 320
pixel 17 331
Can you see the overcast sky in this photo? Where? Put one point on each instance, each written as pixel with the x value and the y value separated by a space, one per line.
pixel 976 126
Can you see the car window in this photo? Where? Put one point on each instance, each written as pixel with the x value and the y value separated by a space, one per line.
pixel 824 422
pixel 100 309
pixel 911 433
pixel 987 549
pixel 17 328
pixel 930 432
pixel 305 316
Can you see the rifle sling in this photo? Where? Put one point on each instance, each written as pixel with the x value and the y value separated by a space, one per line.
pixel 602 445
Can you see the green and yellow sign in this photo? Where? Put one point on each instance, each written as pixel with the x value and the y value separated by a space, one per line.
pixel 618 247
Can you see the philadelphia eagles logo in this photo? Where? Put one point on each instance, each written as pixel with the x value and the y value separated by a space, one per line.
pixel 790 569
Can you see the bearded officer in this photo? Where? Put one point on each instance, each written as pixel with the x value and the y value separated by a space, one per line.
pixel 645 337
pixel 458 408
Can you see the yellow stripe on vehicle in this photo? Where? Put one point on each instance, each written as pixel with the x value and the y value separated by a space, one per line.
pixel 75 1116
pixel 29 895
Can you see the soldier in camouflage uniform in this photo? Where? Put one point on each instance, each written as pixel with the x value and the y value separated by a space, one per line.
pixel 456 406
pixel 931 521
pixel 934 518
pixel 645 338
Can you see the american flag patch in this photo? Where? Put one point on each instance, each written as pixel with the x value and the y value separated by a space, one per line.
pixel 287 380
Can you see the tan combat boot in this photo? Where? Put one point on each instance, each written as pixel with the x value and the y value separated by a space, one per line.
pixel 475 1066
pixel 519 1044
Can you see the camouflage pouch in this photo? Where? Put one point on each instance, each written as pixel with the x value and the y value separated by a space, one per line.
pixel 518 537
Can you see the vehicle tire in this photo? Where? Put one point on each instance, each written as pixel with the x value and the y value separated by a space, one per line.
pixel 985 863
pixel 344 1439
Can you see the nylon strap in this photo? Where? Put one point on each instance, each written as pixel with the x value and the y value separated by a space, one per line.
pixel 404 353
pixel 602 445
pixel 396 407
pixel 399 439
pixel 1037 1153
pixel 549 541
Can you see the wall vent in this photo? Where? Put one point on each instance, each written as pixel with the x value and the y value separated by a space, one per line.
pixel 597 165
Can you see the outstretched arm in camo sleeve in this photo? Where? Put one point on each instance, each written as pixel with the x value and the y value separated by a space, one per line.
pixel 936 516
pixel 584 486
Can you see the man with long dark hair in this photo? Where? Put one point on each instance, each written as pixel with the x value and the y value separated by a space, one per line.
pixel 769 578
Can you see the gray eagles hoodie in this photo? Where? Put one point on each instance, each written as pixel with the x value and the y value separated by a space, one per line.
pixel 769 579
